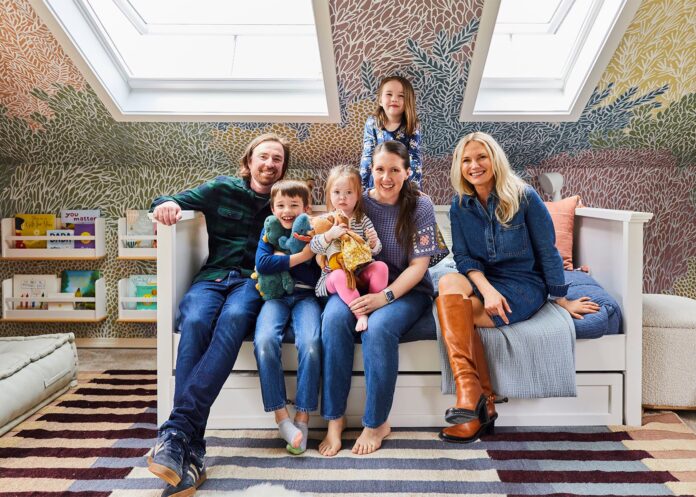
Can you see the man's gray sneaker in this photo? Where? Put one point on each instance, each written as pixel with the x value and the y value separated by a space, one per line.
pixel 194 475
pixel 168 456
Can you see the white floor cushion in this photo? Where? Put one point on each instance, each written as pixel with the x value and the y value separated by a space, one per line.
pixel 33 372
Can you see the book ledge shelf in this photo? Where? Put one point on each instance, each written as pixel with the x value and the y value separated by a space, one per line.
pixel 10 313
pixel 127 306
pixel 128 244
pixel 9 238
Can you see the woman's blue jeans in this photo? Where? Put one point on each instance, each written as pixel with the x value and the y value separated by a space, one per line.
pixel 380 349
pixel 303 311
pixel 215 316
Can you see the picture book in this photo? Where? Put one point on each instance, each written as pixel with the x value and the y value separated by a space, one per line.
pixel 84 230
pixel 137 223
pixel 147 291
pixel 60 306
pixel 25 286
pixel 80 283
pixel 33 225
pixel 56 241
pixel 142 285
pixel 69 217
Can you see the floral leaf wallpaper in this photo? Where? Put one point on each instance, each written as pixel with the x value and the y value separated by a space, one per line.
pixel 633 147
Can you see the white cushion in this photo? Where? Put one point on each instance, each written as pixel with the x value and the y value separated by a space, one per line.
pixel 33 370
pixel 669 311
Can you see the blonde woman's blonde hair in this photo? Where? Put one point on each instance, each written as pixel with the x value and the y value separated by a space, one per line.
pixel 508 186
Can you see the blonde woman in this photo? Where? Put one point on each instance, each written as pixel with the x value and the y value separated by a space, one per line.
pixel 508 265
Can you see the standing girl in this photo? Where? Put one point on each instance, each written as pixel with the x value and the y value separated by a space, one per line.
pixel 394 119
pixel 343 193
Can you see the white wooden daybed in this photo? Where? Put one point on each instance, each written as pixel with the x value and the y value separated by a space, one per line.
pixel 608 368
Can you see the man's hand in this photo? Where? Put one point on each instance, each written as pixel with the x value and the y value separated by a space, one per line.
pixel 167 213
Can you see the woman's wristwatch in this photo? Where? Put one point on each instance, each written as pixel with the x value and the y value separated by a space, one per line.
pixel 389 295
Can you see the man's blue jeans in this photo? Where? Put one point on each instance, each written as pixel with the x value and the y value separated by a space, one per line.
pixel 380 349
pixel 215 316
pixel 303 312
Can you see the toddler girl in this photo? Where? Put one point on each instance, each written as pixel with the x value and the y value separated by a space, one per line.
pixel 394 119
pixel 343 193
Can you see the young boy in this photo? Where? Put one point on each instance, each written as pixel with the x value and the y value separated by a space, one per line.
pixel 289 199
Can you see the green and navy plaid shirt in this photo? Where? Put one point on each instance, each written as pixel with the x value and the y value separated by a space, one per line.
pixel 234 215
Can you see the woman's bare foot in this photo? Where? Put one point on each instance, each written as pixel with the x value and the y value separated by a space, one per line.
pixel 332 441
pixel 371 439
pixel 361 325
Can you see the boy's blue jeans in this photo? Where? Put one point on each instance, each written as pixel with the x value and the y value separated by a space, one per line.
pixel 303 311
pixel 215 316
pixel 380 349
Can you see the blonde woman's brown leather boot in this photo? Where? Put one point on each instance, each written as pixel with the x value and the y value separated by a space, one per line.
pixel 474 410
pixel 453 414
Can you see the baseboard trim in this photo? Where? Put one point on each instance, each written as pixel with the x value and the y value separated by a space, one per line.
pixel 669 408
pixel 116 343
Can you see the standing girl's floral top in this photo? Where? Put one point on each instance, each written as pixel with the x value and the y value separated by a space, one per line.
pixel 394 119
pixel 374 135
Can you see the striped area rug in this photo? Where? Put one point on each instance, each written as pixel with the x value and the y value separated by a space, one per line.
pixel 91 443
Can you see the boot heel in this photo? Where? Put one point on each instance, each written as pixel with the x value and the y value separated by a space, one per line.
pixel 490 429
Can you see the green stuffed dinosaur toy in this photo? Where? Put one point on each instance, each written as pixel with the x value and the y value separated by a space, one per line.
pixel 273 286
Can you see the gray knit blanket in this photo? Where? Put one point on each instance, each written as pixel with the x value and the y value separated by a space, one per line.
pixel 530 359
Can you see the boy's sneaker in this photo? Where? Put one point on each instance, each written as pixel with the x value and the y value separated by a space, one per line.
pixel 194 475
pixel 167 458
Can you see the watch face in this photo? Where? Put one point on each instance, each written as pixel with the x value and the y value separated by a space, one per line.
pixel 390 295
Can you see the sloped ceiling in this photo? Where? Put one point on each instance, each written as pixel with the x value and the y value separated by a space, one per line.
pixel 634 146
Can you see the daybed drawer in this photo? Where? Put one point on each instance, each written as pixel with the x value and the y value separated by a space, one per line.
pixel 599 402
pixel 418 402
pixel 607 353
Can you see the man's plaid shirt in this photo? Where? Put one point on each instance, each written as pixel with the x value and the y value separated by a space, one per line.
pixel 234 215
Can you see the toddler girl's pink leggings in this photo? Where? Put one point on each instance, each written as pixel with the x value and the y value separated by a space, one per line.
pixel 375 275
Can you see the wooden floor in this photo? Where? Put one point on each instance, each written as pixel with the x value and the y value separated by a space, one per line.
pixel 101 359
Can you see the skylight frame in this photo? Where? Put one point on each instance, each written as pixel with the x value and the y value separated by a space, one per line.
pixel 152 99
pixel 141 25
pixel 527 99
pixel 549 27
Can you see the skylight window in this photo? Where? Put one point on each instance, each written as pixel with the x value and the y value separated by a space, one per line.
pixel 540 59
pixel 206 60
